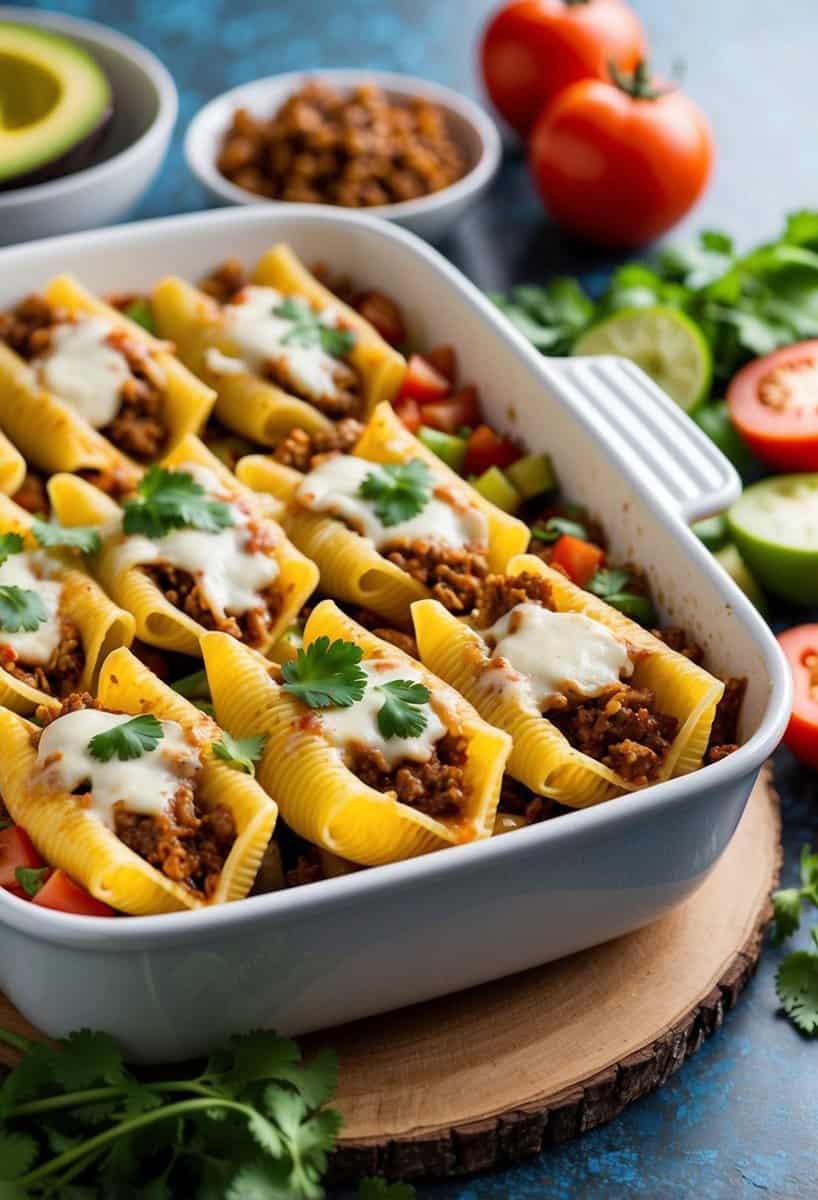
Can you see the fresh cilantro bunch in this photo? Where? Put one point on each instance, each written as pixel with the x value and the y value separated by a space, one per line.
pixel 399 490
pixel 20 608
pixel 167 500
pixel 745 304
pixel 796 981
pixel 329 674
pixel 253 1123
pixel 309 330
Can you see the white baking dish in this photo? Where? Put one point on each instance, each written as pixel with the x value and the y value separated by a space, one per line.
pixel 169 986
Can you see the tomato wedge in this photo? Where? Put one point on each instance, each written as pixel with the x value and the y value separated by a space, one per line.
pixel 423 382
pixel 452 414
pixel 485 449
pixel 801 648
pixel 16 850
pixel 408 410
pixel 774 405
pixel 580 560
pixel 61 893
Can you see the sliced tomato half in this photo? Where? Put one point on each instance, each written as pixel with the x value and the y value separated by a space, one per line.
pixel 61 893
pixel 423 382
pixel 800 645
pixel 773 402
pixel 16 850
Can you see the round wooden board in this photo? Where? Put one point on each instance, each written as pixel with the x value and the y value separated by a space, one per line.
pixel 497 1073
pixel 502 1071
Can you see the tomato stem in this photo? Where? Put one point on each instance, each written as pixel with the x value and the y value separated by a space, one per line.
pixel 639 85
pixel 575 3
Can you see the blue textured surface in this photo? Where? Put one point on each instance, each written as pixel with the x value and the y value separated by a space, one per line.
pixel 739 1119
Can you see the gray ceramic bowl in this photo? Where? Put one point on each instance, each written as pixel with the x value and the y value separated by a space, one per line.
pixel 128 156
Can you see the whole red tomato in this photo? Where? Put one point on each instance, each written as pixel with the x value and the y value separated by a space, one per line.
pixel 623 161
pixel 533 49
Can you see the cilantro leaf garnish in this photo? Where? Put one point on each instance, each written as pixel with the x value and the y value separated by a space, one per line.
pixel 84 538
pixel 608 581
pixel 21 609
pixel 399 490
pixel 309 330
pixel 400 714
pixel 130 740
pixel 31 879
pixel 140 310
pixel 252 1123
pixel 796 985
pixel 10 543
pixel 326 673
pixel 240 753
pixel 787 912
pixel 555 527
pixel 168 500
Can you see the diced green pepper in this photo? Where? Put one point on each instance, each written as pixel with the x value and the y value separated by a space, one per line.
pixel 451 449
pixel 532 475
pixel 495 486
pixel 141 312
pixel 712 531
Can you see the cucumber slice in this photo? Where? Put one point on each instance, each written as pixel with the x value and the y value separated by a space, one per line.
pixel 739 572
pixel 532 475
pixel 494 485
pixel 663 342
pixel 451 449
pixel 774 524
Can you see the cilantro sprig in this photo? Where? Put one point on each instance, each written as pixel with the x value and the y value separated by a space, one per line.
pixel 796 981
pixel 309 330
pixel 555 527
pixel 401 714
pixel 130 740
pixel 240 753
pixel 613 584
pixel 326 673
pixel 21 609
pixel 10 543
pixel 399 490
pixel 84 538
pixel 168 500
pixel 252 1122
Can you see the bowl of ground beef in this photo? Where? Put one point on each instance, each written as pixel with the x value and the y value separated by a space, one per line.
pixel 402 148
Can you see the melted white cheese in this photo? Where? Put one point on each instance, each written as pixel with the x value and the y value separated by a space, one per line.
pixel 231 577
pixel 141 785
pixel 333 488
pixel 556 654
pixel 358 724
pixel 31 570
pixel 83 369
pixel 259 335
pixel 223 364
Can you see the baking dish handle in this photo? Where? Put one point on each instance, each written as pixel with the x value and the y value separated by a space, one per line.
pixel 652 434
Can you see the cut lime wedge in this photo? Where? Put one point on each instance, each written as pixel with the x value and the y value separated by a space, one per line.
pixel 663 342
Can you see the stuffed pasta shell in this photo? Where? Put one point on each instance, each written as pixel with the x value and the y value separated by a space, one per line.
pixel 192 550
pixel 386 762
pixel 281 352
pixel 595 704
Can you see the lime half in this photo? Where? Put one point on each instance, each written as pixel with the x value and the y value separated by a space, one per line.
pixel 664 343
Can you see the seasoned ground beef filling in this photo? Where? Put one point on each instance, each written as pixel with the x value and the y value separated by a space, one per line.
pixel 621 729
pixel 501 593
pixel 301 450
pixel 436 787
pixel 182 590
pixel 185 843
pixel 724 734
pixel 453 576
pixel 139 428
pixel 225 281
pixel 61 674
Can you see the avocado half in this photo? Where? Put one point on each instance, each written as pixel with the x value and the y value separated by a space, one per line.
pixel 55 104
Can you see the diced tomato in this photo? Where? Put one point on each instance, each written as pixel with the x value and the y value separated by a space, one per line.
pixel 485 449
pixel 444 360
pixel 423 382
pixel 452 414
pixel 16 850
pixel 580 560
pixel 801 648
pixel 60 893
pixel 409 412
pixel 384 314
